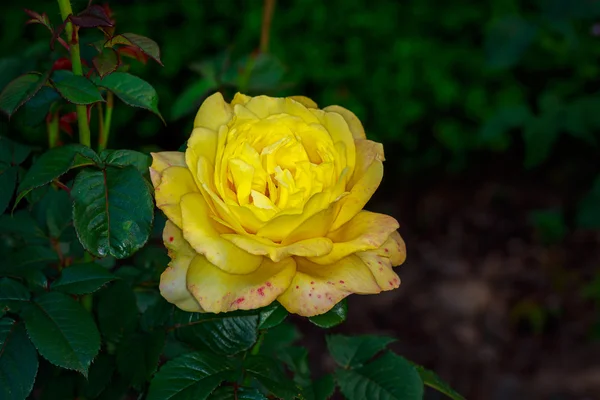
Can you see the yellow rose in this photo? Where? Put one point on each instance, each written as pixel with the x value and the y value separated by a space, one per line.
pixel 266 204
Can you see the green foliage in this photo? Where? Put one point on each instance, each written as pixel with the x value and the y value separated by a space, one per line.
pixel 82 279
pixel 74 88
pixel 18 361
pixel 333 317
pixel 19 91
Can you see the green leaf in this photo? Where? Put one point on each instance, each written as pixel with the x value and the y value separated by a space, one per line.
pixel 19 91
pixel 123 158
pixel 23 225
pixel 353 351
pixel 12 153
pixel 132 90
pixel 137 357
pixel 18 361
pixel 432 380
pixel 8 181
pixel 99 377
pixel 146 45
pixel 192 376
pixel 227 333
pixel 54 163
pixel 75 89
pixel 63 331
pixel 39 105
pixel 12 293
pixel 106 62
pixel 31 257
pixel 82 279
pixel 266 371
pixel 333 317
pixel 191 98
pixel 117 311
pixel 389 377
pixel 157 315
pixel 272 315
pixel 507 40
pixel 324 387
pixel 112 211
pixel 58 212
pixel 279 337
pixel 237 393
pixel 588 212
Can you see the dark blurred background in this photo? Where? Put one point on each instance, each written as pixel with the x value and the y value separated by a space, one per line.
pixel 490 117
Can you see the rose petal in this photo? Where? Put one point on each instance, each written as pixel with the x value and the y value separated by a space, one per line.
pixel 356 127
pixel 317 288
pixel 305 101
pixel 218 291
pixel 360 194
pixel 203 234
pixel 276 252
pixel 175 182
pixel 213 113
pixel 173 286
pixel 366 231
pixel 367 152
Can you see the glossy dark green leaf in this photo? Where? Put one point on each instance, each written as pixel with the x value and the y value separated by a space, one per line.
pixel 236 393
pixel 117 311
pixel 137 357
pixel 389 377
pixel 23 225
pixel 191 98
pixel 38 106
pixel 266 371
pixel 8 181
pixel 279 337
pixel 106 62
pixel 12 290
pixel 432 380
pixel 18 361
pixel 123 158
pixel 146 45
pixel 75 89
pixel 99 376
pixel 227 333
pixel 82 278
pixel 192 376
pixel 333 317
pixel 11 152
pixel 272 315
pixel 132 90
pixel 19 91
pixel 29 257
pixel 353 351
pixel 54 163
pixel 63 331
pixel 112 211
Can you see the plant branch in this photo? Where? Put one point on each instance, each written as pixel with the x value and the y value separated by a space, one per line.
pixel 105 125
pixel 73 38
pixel 269 8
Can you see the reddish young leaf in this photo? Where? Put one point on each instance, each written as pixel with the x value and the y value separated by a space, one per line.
pixel 92 17
pixel 133 52
pixel 106 62
pixel 146 45
pixel 39 19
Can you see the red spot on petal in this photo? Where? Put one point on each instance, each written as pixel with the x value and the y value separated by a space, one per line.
pixel 329 282
pixel 310 295
pixel 342 282
pixel 261 290
pixel 380 269
pixel 391 283
pixel 379 262
pixel 386 250
pixel 297 287
pixel 312 282
pixel 269 284
pixel 319 296
pixel 171 239
pixel 240 300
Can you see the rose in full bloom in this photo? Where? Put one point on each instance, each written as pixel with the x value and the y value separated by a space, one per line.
pixel 267 203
